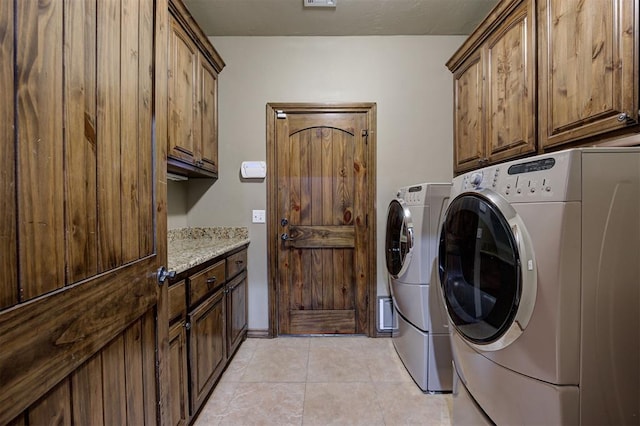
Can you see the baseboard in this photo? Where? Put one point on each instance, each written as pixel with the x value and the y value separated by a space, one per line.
pixel 259 334
pixel 383 334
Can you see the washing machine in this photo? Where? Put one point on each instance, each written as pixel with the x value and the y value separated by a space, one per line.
pixel 420 326
pixel 539 262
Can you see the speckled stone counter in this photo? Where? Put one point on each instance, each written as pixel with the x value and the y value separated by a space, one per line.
pixel 189 247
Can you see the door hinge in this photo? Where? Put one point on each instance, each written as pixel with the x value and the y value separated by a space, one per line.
pixel 281 114
pixel 366 300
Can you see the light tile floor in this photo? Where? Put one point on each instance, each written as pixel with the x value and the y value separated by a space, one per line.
pixel 320 381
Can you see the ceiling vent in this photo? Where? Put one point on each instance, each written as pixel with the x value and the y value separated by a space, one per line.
pixel 320 3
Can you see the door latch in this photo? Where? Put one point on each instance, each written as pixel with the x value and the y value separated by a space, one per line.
pixel 164 273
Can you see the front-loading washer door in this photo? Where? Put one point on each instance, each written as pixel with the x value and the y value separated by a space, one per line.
pixel 399 238
pixel 487 270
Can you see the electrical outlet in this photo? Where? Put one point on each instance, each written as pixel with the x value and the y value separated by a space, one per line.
pixel 258 216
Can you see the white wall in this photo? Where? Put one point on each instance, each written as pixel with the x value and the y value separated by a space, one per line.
pixel 405 76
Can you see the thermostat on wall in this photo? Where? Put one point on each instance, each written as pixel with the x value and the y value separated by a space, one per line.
pixel 253 169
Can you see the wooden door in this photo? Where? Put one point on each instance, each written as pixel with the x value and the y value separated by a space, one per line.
pixel 83 221
pixel 588 81
pixel 183 94
pixel 509 56
pixel 323 210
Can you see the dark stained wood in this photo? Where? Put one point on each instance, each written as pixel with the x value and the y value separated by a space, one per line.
pixel 317 195
pixel 205 282
pixel 236 312
pixel 319 236
pixel 86 383
pixel 8 242
pixel 54 408
pixel 207 344
pixel 208 103
pixel 133 368
pixel 588 68
pixel 40 147
pixel 183 62
pixel 177 300
pixel 129 125
pixel 52 337
pixel 108 127
pixel 313 322
pixel 145 126
pixel 114 383
pixel 80 140
pixel 95 340
pixel 236 262
pixel 178 382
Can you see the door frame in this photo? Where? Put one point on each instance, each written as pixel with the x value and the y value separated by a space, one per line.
pixel 369 108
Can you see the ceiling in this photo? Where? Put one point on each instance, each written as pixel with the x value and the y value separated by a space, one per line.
pixel 349 18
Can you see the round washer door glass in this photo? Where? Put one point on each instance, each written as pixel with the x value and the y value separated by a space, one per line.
pixel 479 269
pixel 399 238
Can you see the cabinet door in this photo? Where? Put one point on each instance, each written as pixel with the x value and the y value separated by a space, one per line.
pixel 207 346
pixel 237 311
pixel 182 88
pixel 178 381
pixel 509 58
pixel 209 116
pixel 467 114
pixel 588 68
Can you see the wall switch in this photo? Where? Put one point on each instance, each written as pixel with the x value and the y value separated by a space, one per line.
pixel 258 216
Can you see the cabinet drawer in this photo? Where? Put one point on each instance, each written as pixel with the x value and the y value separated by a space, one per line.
pixel 177 301
pixel 236 263
pixel 206 281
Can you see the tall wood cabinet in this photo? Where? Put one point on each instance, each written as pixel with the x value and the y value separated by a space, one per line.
pixel 588 81
pixel 494 95
pixel 193 70
pixel 83 323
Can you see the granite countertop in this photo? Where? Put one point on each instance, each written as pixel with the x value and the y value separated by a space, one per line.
pixel 189 247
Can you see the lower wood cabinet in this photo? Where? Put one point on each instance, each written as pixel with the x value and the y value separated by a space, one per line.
pixel 236 312
pixel 207 346
pixel 179 390
pixel 209 322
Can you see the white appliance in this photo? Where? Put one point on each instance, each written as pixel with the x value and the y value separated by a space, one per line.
pixel 420 328
pixel 539 261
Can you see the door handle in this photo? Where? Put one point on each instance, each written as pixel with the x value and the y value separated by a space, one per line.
pixel 284 222
pixel 286 237
pixel 164 273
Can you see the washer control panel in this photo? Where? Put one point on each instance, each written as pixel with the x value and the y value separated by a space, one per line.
pixel 412 195
pixel 539 179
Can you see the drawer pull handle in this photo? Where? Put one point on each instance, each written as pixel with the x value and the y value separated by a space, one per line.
pixel 212 280
pixel 239 262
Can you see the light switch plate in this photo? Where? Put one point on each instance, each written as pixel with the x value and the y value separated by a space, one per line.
pixel 258 216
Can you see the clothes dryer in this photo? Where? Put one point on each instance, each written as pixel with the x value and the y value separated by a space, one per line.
pixel 539 261
pixel 420 333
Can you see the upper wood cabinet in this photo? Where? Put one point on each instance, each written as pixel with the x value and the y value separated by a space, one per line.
pixel 193 97
pixel 494 88
pixel 588 81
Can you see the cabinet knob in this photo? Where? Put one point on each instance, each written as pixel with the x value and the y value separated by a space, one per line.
pixel 212 280
pixel 187 326
pixel 239 262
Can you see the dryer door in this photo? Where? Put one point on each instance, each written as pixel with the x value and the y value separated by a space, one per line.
pixel 399 239
pixel 487 270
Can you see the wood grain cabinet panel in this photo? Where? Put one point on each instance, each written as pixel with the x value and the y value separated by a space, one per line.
pixel 494 89
pixel 236 312
pixel 205 282
pixel 178 386
pixel 194 65
pixel 207 347
pixel 588 57
pixel 236 262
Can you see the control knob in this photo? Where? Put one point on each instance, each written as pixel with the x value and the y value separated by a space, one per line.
pixel 476 179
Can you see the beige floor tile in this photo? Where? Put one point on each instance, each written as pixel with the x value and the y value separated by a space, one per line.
pixel 277 364
pixel 265 404
pixel 341 404
pixel 337 365
pixel 216 407
pixel 405 404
